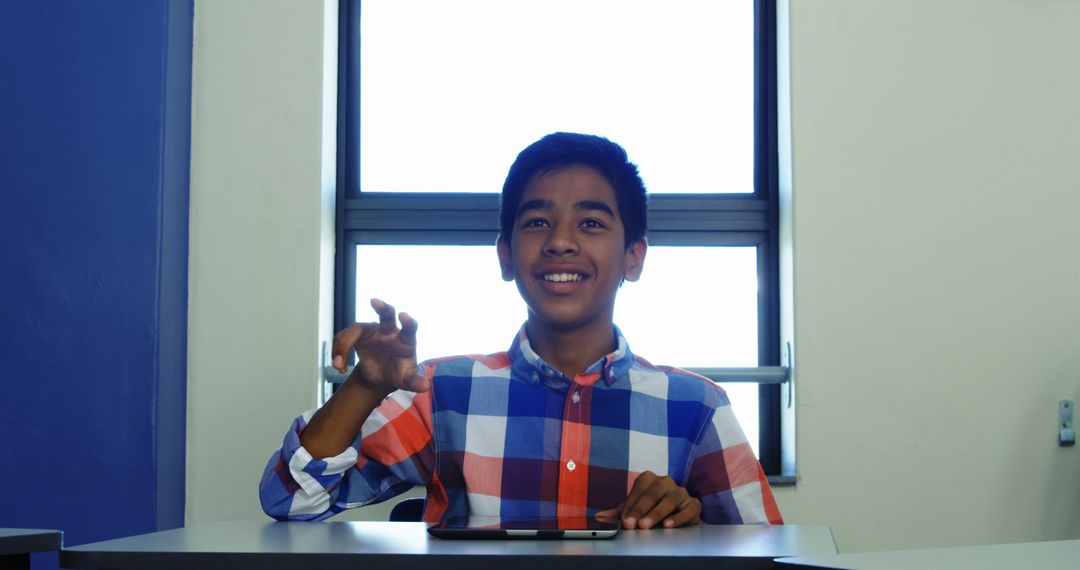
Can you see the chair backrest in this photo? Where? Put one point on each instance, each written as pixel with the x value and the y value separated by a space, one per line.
pixel 408 510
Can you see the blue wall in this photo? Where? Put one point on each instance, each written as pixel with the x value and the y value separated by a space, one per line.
pixel 95 102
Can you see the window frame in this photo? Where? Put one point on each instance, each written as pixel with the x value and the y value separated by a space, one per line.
pixel 745 220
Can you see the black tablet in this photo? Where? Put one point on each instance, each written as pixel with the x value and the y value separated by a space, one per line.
pixel 496 528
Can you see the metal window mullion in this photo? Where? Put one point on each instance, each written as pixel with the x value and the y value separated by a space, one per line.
pixel 754 375
pixel 766 167
pixel 490 201
pixel 421 217
pixel 758 375
pixel 423 237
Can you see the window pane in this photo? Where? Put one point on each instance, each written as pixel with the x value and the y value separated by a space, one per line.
pixel 689 318
pixel 472 310
pixel 451 91
pixel 693 306
pixel 697 307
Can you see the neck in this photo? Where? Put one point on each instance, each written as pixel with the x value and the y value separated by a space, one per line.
pixel 571 351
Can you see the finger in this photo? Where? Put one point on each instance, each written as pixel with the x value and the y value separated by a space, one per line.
pixel 609 515
pixel 416 383
pixel 688 513
pixel 649 501
pixel 344 341
pixel 387 316
pixel 408 328
pixel 668 504
pixel 631 511
pixel 609 512
pixel 643 481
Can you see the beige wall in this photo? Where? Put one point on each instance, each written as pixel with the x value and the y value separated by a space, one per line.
pixel 936 321
pixel 262 183
pixel 936 188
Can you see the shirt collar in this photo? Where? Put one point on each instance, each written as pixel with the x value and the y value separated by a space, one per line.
pixel 527 366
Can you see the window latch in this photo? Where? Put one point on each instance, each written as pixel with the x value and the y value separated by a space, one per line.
pixel 329 374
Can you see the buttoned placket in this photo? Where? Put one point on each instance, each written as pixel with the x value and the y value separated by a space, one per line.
pixel 575 446
pixel 575 399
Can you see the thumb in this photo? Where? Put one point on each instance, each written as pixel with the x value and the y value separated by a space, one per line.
pixel 612 512
pixel 418 384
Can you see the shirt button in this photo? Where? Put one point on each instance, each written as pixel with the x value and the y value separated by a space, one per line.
pixel 570 465
pixel 536 376
pixel 575 397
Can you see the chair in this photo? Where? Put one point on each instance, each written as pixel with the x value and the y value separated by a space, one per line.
pixel 408 510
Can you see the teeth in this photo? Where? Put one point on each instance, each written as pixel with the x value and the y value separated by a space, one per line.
pixel 560 277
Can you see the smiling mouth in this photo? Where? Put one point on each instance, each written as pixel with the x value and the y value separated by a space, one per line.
pixel 562 277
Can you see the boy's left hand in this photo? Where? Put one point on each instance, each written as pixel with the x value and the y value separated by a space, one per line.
pixel 656 500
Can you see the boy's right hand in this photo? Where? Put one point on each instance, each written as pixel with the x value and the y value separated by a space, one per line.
pixel 386 353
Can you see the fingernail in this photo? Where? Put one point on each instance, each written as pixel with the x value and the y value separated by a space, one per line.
pixel 645 523
pixel 338 363
pixel 628 522
pixel 669 523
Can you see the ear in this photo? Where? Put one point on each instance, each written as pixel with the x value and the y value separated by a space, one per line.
pixel 634 261
pixel 506 260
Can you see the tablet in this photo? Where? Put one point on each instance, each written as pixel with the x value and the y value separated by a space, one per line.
pixel 497 528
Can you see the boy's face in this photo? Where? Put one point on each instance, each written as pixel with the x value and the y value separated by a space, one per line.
pixel 567 251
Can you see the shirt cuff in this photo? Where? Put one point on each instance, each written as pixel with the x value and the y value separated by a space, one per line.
pixel 315 476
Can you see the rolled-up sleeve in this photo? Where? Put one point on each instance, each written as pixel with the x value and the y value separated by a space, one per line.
pixel 393 452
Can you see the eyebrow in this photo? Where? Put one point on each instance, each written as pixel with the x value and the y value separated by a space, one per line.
pixel 585 205
pixel 595 205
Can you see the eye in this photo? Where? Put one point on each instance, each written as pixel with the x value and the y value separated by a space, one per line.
pixel 535 223
pixel 593 224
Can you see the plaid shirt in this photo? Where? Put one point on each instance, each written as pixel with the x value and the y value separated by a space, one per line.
pixel 508 435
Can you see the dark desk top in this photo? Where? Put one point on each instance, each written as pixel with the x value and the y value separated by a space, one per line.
pixel 26 540
pixel 407 545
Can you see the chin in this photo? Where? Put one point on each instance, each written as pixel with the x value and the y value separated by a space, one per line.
pixel 561 320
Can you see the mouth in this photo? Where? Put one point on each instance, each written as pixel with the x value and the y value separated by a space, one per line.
pixel 561 281
pixel 562 277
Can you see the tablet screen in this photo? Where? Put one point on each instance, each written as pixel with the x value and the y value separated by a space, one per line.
pixel 496 527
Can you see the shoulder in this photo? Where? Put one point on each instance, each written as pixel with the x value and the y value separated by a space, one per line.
pixel 457 380
pixel 466 366
pixel 676 383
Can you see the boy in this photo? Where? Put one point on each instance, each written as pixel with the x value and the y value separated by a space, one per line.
pixel 567 422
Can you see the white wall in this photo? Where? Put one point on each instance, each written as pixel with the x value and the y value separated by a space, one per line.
pixel 262 183
pixel 936 319
pixel 936 269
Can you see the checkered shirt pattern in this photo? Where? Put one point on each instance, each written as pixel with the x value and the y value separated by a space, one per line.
pixel 508 435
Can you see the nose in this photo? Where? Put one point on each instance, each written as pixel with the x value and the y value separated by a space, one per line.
pixel 561 242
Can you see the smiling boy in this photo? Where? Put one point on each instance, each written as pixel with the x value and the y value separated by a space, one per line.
pixel 568 422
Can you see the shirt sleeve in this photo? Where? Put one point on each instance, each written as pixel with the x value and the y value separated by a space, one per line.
pixel 393 452
pixel 726 477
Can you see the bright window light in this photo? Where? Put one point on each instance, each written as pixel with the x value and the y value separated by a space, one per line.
pixel 451 91
pixel 692 307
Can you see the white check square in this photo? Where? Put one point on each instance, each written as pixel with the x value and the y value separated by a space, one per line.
pixel 481 505
pixel 485 435
pixel 648 453
pixel 727 427
pixel 649 382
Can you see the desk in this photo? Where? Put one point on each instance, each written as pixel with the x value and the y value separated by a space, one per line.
pixel 399 545
pixel 16 544
pixel 1061 554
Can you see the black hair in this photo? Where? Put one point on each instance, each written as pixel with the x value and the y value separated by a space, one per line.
pixel 567 149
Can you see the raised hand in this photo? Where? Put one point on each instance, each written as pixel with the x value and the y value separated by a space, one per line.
pixel 655 501
pixel 386 353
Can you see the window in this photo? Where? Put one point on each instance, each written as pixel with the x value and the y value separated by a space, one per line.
pixel 438 97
